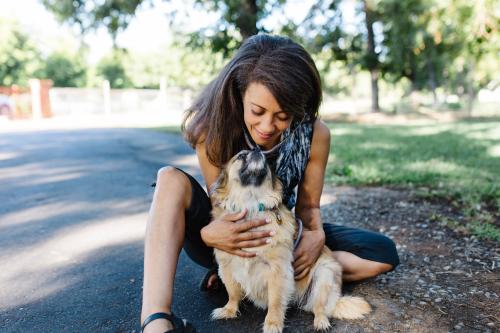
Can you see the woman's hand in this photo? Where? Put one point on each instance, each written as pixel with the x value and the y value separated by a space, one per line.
pixel 308 251
pixel 226 235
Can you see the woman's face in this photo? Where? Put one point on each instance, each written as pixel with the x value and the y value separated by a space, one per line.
pixel 264 118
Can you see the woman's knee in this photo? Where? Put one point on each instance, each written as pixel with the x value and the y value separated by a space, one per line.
pixel 377 268
pixel 173 183
pixel 387 254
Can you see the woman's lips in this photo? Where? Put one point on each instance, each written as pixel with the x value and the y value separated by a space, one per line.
pixel 263 136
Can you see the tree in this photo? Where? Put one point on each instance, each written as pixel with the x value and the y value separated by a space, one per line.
pixel 371 58
pixel 477 30
pixel 111 68
pixel 64 70
pixel 434 43
pixel 114 15
pixel 326 29
pixel 238 19
pixel 19 58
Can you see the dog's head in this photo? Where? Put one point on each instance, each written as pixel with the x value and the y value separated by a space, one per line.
pixel 248 171
pixel 249 168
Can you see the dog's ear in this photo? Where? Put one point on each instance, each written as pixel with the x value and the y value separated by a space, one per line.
pixel 277 185
pixel 219 186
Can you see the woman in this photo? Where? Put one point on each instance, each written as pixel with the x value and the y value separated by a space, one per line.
pixel 268 94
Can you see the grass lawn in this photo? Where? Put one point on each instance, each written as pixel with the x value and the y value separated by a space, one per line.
pixel 459 161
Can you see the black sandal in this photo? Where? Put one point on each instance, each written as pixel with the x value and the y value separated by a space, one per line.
pixel 216 286
pixel 179 325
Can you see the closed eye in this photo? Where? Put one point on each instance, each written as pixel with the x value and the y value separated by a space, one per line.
pixel 257 113
pixel 283 117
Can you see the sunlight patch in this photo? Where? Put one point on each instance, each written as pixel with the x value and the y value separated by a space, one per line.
pixel 345 131
pixel 435 166
pixel 485 134
pixel 188 160
pixel 379 145
pixel 37 270
pixel 428 130
pixel 8 156
pixel 494 151
pixel 40 180
pixel 40 212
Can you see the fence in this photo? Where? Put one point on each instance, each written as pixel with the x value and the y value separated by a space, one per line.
pixel 166 102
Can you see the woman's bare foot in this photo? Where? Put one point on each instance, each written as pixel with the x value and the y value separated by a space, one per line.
pixel 212 281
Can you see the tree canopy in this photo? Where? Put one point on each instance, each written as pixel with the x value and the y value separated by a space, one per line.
pixel 430 45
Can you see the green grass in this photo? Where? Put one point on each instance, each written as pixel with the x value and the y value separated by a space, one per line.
pixel 457 161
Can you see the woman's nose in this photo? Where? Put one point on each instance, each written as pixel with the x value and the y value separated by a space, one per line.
pixel 267 124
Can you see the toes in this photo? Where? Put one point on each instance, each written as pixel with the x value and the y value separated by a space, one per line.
pixel 224 313
pixel 321 323
pixel 272 327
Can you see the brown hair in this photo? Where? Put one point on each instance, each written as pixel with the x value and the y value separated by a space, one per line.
pixel 280 64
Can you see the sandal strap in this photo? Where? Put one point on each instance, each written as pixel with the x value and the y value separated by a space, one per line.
pixel 178 323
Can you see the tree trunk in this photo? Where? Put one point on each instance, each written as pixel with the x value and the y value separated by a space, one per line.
pixel 247 20
pixel 432 82
pixel 431 70
pixel 372 56
pixel 374 81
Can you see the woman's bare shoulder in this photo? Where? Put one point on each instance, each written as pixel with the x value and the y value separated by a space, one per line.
pixel 209 171
pixel 321 133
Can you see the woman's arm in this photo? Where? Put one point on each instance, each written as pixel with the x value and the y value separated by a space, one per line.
pixel 311 186
pixel 307 207
pixel 209 171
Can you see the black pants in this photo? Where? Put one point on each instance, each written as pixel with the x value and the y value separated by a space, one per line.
pixel 362 243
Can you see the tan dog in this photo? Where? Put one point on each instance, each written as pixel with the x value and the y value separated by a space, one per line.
pixel 268 278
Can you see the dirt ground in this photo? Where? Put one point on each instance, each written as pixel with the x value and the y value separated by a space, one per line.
pixel 446 282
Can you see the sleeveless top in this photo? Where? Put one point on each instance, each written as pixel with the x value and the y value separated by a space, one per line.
pixel 290 160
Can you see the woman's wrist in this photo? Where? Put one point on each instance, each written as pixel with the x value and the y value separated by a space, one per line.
pixel 204 236
pixel 311 218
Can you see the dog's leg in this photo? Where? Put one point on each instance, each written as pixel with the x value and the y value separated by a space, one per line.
pixel 280 289
pixel 234 291
pixel 326 289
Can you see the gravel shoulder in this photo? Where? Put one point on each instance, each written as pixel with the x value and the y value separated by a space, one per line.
pixel 447 281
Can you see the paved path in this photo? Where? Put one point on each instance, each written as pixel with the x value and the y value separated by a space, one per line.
pixel 73 206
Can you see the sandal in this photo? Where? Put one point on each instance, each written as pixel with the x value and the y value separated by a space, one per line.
pixel 216 286
pixel 179 325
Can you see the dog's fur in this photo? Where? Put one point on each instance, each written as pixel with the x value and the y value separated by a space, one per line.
pixel 268 278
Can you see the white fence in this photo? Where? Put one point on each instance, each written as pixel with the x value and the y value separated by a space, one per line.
pixel 169 102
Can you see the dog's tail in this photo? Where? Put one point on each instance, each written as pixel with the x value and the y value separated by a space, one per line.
pixel 349 307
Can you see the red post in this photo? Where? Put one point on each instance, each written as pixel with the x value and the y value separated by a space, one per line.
pixel 40 104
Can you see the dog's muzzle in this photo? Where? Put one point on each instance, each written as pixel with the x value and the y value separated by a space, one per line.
pixel 254 169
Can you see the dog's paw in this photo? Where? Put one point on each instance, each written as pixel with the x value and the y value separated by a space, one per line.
pixel 224 313
pixel 272 327
pixel 321 323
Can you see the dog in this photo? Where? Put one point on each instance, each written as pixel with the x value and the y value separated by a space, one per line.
pixel 268 278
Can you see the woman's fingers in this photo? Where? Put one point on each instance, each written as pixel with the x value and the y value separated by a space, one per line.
pixel 247 225
pixel 235 216
pixel 251 235
pixel 242 253
pixel 302 273
pixel 254 243
pixel 299 262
